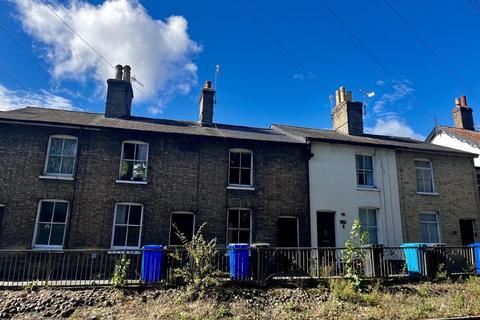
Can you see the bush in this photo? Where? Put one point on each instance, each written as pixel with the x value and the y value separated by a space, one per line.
pixel 353 258
pixel 200 274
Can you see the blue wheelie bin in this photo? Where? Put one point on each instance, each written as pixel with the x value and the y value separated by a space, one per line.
pixel 476 256
pixel 152 262
pixel 414 257
pixel 238 260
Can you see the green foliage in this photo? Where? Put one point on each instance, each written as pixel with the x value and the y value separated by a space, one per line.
pixel 343 290
pixel 441 275
pixel 224 312
pixel 353 258
pixel 120 274
pixel 201 273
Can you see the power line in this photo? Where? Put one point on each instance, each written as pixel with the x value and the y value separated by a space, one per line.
pixel 374 57
pixel 14 78
pixel 431 50
pixel 475 4
pixel 95 50
pixel 282 46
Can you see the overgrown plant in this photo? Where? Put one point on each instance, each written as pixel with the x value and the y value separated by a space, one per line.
pixel 200 274
pixel 120 274
pixel 353 258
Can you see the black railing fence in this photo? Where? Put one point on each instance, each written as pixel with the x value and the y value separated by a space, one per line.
pixel 83 267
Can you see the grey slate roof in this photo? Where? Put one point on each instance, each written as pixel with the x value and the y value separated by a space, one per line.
pixel 304 134
pixel 98 120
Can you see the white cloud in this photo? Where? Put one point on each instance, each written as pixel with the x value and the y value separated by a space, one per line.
pixel 394 127
pixel 299 76
pixel 399 90
pixel 15 99
pixel 159 52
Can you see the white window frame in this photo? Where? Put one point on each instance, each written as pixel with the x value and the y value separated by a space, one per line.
pixel 171 219
pixel 119 176
pixel 298 226
pixel 238 185
pixel 127 225
pixel 45 166
pixel 2 218
pixel 434 190
pixel 373 185
pixel 377 218
pixel 239 229
pixel 50 247
pixel 437 222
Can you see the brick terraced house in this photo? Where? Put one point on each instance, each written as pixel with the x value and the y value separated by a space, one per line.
pixel 88 180
pixel 401 190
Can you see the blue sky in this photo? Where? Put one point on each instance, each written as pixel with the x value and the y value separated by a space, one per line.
pixel 173 47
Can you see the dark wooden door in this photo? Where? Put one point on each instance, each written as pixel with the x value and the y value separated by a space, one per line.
pixel 325 229
pixel 467 232
pixel 287 232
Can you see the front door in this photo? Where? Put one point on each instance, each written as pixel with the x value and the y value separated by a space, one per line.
pixel 467 231
pixel 287 232
pixel 325 229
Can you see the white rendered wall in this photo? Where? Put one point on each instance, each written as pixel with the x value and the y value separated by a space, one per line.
pixel 333 187
pixel 445 140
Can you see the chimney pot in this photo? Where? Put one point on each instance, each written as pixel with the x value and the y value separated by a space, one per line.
pixel 457 102
pixel 463 101
pixel 126 74
pixel 207 84
pixel 347 115
pixel 118 72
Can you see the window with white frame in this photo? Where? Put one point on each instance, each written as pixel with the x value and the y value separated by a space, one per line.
pixel 133 165
pixel 127 226
pixel 424 173
pixel 364 170
pixel 239 226
pixel 240 168
pixel 430 227
pixel 61 155
pixel 368 222
pixel 2 214
pixel 51 224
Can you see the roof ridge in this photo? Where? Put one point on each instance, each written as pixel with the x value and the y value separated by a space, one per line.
pixel 54 109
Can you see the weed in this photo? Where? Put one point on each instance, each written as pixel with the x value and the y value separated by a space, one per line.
pixel 120 274
pixel 224 312
pixel 353 258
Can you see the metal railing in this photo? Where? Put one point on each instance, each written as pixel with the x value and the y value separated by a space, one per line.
pixel 84 267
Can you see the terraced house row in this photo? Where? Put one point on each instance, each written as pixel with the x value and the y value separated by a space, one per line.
pixel 113 180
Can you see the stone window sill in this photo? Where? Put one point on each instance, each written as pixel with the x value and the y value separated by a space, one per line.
pixel 361 188
pixel 47 248
pixel 131 182
pixel 428 193
pixel 248 188
pixel 56 178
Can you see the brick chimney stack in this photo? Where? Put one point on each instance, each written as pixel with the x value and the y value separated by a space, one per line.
pixel 119 94
pixel 347 115
pixel 462 114
pixel 207 102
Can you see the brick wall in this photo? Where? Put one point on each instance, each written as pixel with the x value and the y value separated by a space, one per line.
pixel 454 179
pixel 185 173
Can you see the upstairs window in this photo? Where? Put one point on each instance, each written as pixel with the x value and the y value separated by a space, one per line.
pixel 127 226
pixel 368 222
pixel 61 155
pixel 239 226
pixel 50 224
pixel 183 223
pixel 364 171
pixel 424 173
pixel 240 170
pixel 133 165
pixel 478 182
pixel 430 227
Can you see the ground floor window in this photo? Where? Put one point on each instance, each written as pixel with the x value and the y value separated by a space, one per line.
pixel 239 226
pixel 182 222
pixel 50 224
pixel 430 227
pixel 287 232
pixel 127 226
pixel 368 222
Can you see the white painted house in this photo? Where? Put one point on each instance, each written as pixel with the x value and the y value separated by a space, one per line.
pixel 354 175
